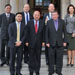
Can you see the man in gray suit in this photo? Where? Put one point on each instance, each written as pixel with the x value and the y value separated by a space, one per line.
pixel 5 19
pixel 55 42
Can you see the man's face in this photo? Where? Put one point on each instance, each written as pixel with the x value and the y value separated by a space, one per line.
pixel 19 17
pixel 7 9
pixel 36 15
pixel 51 8
pixel 26 8
pixel 55 15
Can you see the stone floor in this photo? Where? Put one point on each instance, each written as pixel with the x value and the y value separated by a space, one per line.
pixel 44 69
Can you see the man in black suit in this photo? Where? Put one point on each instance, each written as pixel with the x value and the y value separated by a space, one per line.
pixel 16 33
pixel 55 42
pixel 26 17
pixel 5 19
pixel 35 41
pixel 47 17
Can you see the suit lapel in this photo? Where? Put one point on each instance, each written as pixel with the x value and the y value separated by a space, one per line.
pixel 39 28
pixel 33 26
pixel 53 25
pixel 15 29
pixel 21 29
pixel 58 24
pixel 5 17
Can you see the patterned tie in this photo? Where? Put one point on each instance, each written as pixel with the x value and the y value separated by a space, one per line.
pixel 56 24
pixel 18 33
pixel 36 27
pixel 8 15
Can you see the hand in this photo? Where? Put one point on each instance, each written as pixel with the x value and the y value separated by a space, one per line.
pixel 48 45
pixel 43 44
pixel 46 20
pixel 18 43
pixel 27 44
pixel 64 44
pixel 73 35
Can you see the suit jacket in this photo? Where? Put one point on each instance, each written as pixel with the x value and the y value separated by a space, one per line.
pixel 12 31
pixel 23 19
pixel 4 24
pixel 54 37
pixel 32 37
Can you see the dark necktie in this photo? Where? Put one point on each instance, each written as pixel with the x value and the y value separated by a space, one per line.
pixel 27 17
pixel 36 27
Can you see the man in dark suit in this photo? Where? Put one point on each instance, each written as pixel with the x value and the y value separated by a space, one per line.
pixel 26 17
pixel 5 19
pixel 35 41
pixel 47 17
pixel 55 42
pixel 16 33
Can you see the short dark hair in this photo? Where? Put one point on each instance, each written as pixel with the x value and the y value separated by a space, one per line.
pixel 55 11
pixel 18 13
pixel 69 7
pixel 8 5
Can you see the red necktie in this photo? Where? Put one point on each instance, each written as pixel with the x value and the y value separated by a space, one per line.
pixel 36 27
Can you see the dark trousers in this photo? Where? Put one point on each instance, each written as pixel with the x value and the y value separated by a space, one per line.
pixel 13 52
pixel 46 55
pixel 26 54
pixel 4 45
pixel 55 58
pixel 34 59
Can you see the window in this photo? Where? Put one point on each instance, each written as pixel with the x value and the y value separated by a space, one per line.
pixel 42 2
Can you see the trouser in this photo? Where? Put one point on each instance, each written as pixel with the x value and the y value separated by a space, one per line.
pixel 4 45
pixel 13 52
pixel 55 58
pixel 34 59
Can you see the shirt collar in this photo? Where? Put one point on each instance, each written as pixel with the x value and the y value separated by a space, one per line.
pixel 7 14
pixel 18 22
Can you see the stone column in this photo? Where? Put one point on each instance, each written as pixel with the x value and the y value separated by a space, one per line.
pixel 21 5
pixel 15 5
pixel 25 1
pixel 2 6
pixel 72 2
pixel 64 5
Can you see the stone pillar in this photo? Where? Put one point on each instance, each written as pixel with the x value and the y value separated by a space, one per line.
pixel 2 6
pixel 15 5
pixel 21 5
pixel 25 1
pixel 64 5
pixel 72 2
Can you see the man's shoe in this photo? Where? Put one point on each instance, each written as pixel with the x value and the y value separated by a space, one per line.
pixel 37 73
pixel 2 63
pixel 31 73
pixel 18 74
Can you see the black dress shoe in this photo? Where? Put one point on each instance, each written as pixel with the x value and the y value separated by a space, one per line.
pixel 60 74
pixel 68 65
pixel 18 74
pixel 49 74
pixel 2 64
pixel 37 73
pixel 31 73
pixel 72 65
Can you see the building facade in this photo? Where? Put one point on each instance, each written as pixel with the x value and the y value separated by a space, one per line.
pixel 42 5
